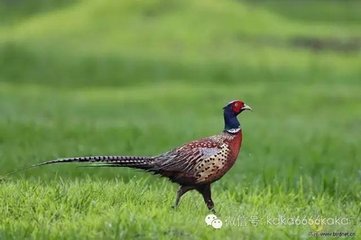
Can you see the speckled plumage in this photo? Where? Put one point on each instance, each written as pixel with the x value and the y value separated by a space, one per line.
pixel 195 165
pixel 199 162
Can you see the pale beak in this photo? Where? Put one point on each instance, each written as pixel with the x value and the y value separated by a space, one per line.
pixel 246 107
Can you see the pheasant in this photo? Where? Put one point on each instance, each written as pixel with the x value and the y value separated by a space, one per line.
pixel 194 166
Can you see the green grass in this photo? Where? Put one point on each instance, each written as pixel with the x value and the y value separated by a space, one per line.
pixel 315 11
pixel 297 159
pixel 109 77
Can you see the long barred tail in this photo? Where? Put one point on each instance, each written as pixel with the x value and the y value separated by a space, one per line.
pixel 111 161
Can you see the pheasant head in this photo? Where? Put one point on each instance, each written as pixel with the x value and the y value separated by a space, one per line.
pixel 230 112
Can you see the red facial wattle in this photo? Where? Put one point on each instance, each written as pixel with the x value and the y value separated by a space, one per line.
pixel 237 106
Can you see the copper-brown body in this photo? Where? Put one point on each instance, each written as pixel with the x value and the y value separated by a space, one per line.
pixel 200 162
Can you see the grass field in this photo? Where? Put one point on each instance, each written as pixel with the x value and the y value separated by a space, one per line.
pixel 108 77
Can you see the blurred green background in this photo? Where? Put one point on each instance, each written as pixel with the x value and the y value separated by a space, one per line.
pixel 141 77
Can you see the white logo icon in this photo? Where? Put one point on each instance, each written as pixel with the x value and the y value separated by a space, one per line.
pixel 217 223
pixel 212 220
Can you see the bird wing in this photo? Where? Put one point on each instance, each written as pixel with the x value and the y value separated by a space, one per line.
pixel 185 159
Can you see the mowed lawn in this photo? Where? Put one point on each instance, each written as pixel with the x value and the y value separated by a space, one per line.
pixel 72 84
pixel 299 159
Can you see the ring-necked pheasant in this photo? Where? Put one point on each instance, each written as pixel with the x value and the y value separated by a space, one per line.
pixel 195 165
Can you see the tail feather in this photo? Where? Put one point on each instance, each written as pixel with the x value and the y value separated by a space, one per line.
pixel 114 161
pixel 140 162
